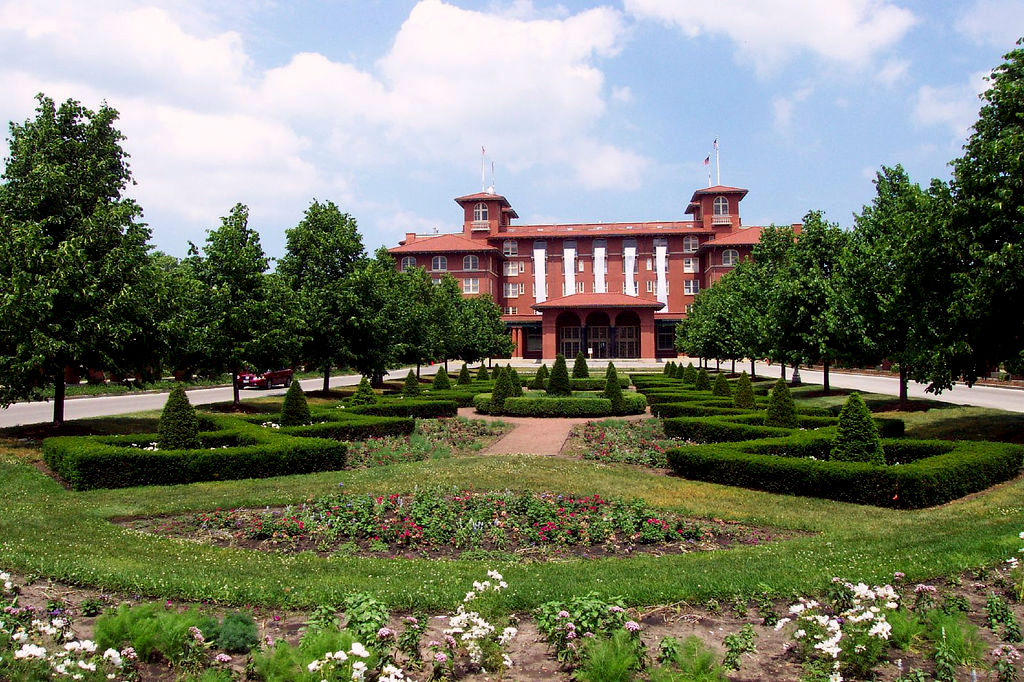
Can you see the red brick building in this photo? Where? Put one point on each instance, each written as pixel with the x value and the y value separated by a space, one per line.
pixel 612 290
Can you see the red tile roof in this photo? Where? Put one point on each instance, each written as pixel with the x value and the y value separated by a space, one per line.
pixel 441 243
pixel 598 301
pixel 598 230
pixel 719 189
pixel 745 236
pixel 483 196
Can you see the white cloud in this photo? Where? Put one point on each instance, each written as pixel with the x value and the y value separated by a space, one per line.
pixel 953 106
pixel 993 22
pixel 784 106
pixel 893 71
pixel 622 94
pixel 769 34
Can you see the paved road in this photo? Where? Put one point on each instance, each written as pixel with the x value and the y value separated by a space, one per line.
pixel 82 408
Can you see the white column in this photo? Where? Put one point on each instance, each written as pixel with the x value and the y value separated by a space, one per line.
pixel 629 265
pixel 661 269
pixel 569 267
pixel 540 276
pixel 599 260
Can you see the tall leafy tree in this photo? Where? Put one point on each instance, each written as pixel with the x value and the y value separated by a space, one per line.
pixel 75 276
pixel 772 258
pixel 483 334
pixel 322 250
pixel 185 340
pixel 374 316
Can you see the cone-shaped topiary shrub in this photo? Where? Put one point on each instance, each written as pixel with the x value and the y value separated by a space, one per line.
pixel 538 380
pixel 179 425
pixel 364 395
pixel 441 381
pixel 464 376
pixel 502 390
pixel 612 389
pixel 781 411
pixel 703 381
pixel 558 382
pixel 688 374
pixel 744 396
pixel 411 388
pixel 857 439
pixel 678 372
pixel 515 381
pixel 669 369
pixel 721 386
pixel 295 409
pixel 579 368
pixel 482 375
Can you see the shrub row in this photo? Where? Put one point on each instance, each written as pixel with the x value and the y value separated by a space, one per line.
pixel 417 407
pixel 576 406
pixel 354 427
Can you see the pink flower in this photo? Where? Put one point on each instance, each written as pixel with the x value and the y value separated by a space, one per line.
pixel 632 626
pixel 440 657
pixel 223 658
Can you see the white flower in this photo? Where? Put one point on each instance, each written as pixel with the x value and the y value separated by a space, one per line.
pixel 360 651
pixel 91 667
pixel 799 634
pixel 30 651
pixel 880 629
pixel 313 667
pixel 358 671
pixel 113 656
pixel 494 575
pixel 340 656
pixel 781 623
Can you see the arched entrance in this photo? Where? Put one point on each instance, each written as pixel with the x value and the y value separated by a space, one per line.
pixel 627 334
pixel 570 336
pixel 599 340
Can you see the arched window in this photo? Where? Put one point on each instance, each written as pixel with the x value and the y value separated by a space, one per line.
pixel 470 263
pixel 730 257
pixel 439 263
pixel 408 263
pixel 690 244
pixel 480 212
pixel 721 206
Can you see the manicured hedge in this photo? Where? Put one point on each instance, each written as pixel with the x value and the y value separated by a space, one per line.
pixel 354 427
pixel 717 430
pixel 460 397
pixel 409 407
pixel 694 409
pixel 967 467
pixel 594 383
pixel 576 406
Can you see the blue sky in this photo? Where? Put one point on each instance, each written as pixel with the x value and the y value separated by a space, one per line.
pixel 589 111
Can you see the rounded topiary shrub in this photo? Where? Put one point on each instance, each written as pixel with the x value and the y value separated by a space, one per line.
pixel 688 374
pixel 744 395
pixel 502 390
pixel 558 382
pixel 364 395
pixel 295 410
pixel 411 388
pixel 857 439
pixel 781 410
pixel 482 374
pixel 464 376
pixel 538 381
pixel 703 381
pixel 613 389
pixel 579 368
pixel 179 425
pixel 514 381
pixel 721 386
pixel 441 380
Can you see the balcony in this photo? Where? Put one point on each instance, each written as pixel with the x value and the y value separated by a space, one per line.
pixel 721 219
pixel 480 226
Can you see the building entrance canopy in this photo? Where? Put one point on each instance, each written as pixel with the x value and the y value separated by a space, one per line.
pixel 599 325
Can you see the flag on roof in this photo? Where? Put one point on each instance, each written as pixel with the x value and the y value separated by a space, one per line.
pixel 715 143
pixel 707 159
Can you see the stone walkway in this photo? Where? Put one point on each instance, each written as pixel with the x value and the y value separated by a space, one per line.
pixel 532 435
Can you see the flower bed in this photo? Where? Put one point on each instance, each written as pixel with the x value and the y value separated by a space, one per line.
pixel 632 442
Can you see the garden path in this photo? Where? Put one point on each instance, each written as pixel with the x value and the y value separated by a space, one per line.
pixel 532 435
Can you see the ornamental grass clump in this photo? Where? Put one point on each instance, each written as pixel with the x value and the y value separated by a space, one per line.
pixel 441 380
pixel 179 425
pixel 857 438
pixel 538 380
pixel 295 409
pixel 612 389
pixel 502 390
pixel 579 368
pixel 558 383
pixel 703 380
pixel 464 376
pixel 688 374
pixel 781 410
pixel 744 395
pixel 411 388
pixel 721 387
pixel 481 374
pixel 364 395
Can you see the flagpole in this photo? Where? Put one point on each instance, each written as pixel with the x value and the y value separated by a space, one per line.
pixel 718 167
pixel 483 180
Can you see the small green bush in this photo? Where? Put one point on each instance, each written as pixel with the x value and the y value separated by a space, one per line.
pixel 579 368
pixel 441 381
pixel 669 369
pixel 612 389
pixel 502 390
pixel 464 376
pixel 721 387
pixel 540 379
pixel 295 409
pixel 744 396
pixel 703 380
pixel 609 659
pixel 679 372
pixel 688 374
pixel 558 383
pixel 238 633
pixel 515 381
pixel 179 426
pixel 364 395
pixel 411 387
pixel 781 410
pixel 857 438
pixel 481 374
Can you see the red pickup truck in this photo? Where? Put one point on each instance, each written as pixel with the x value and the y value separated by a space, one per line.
pixel 268 379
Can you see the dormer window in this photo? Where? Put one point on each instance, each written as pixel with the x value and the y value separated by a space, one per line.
pixel 730 257
pixel 439 263
pixel 721 206
pixel 470 263
pixel 408 263
pixel 480 212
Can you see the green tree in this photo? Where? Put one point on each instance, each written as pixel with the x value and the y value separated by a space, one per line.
pixel 481 332
pixel 558 382
pixel 411 387
pixel 76 281
pixel 744 395
pixel 502 390
pixel 613 389
pixel 374 316
pixel 781 410
pixel 184 335
pixel 364 394
pixel 857 438
pixel 721 386
pixel 669 369
pixel 441 381
pixel 688 374
pixel 481 374
pixel 771 270
pixel 295 409
pixel 538 380
pixel 179 425
pixel 322 251
pixel 579 367
pixel 516 382
pixel 703 381
pixel 464 376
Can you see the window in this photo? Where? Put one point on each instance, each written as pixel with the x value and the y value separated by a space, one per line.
pixel 511 289
pixel 510 268
pixel 721 206
pixel 650 286
pixel 511 310
pixel 688 308
pixel 581 266
pixel 435 281
pixel 480 212
pixel 408 263
pixel 666 338
pixel 581 288
pixel 510 247
pixel 650 265
pixel 689 265
pixel 470 263
pixel 689 244
pixel 730 257
pixel 439 263
pixel 471 285
pixel 691 287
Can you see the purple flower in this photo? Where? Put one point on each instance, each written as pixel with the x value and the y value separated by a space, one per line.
pixel 632 626
pixel 223 658
pixel 440 657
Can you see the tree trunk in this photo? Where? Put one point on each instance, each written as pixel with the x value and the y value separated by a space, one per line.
pixel 753 372
pixel 783 365
pixel 327 379
pixel 58 398
pixel 377 380
pixel 417 370
pixel 825 364
pixel 718 365
pixel 733 366
pixel 234 387
pixel 904 399
pixel 446 365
